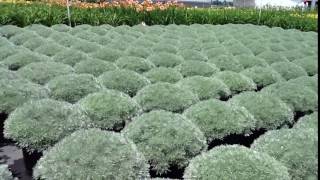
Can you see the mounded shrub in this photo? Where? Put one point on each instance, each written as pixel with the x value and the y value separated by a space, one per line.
pixel 7 74
pixel 123 80
pixel 263 76
pixel 102 40
pixel 68 41
pixel 41 30
pixel 61 28
pixel 70 57
pixel 107 54
pixel 166 139
pixel 248 61
pixel 162 74
pixel 193 68
pixel 193 55
pixel 94 66
pixel 226 63
pixel 42 72
pixel 165 48
pixel 20 38
pixel 293 54
pixel 7 51
pixel 217 51
pixel 235 162
pixel 308 121
pixel 236 81
pixel 269 111
pixel 109 109
pixel 289 70
pixel 165 96
pixel 92 154
pixel 300 98
pixel 73 87
pixel 86 46
pixel 136 64
pixel 165 59
pixel 137 51
pixel 238 49
pixel 295 148
pixel 5 173
pixel 21 59
pixel 16 91
pixel 205 87
pixel 49 49
pixel 39 124
pixel 218 119
pixel 272 57
pixel 307 81
pixel 10 30
pixel 34 43
pixel 309 64
pixel 86 35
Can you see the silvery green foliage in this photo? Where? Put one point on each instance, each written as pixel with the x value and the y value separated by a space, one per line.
pixel 107 54
pixel 94 66
pixel 87 47
pixel 39 124
pixel 7 74
pixel 5 174
pixel 295 148
pixel 109 109
pixel 166 139
pixel 49 49
pixel 165 59
pixel 235 162
pixel 307 81
pixel 218 119
pixel 226 63
pixel 92 154
pixel 137 51
pixel 163 74
pixel 73 87
pixel 193 55
pixel 23 58
pixel 308 63
pixel 41 30
pixel 297 96
pixel 237 82
pixel 263 76
pixel 10 30
pixel 294 54
pixel 308 121
pixel 205 87
pixel 34 43
pixel 20 38
pixel 289 70
pixel 42 72
pixel 136 64
pixel 15 91
pixel 123 80
pixel 61 28
pixel 165 96
pixel 216 51
pixel 6 51
pixel 165 48
pixel 272 57
pixel 269 111
pixel 193 68
pixel 70 57
pixel 68 40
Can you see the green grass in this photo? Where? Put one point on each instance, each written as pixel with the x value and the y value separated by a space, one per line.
pixel 26 14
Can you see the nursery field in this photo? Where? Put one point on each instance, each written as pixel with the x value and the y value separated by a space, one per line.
pixel 195 102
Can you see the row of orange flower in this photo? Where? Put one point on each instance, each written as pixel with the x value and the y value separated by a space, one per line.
pixel 146 5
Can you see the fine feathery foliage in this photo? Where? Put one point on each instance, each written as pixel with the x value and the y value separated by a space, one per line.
pixel 5 173
pixel 39 124
pixel 289 70
pixel 109 109
pixel 295 148
pixel 226 63
pixel 218 119
pixel 307 81
pixel 163 74
pixel 107 54
pixel 94 66
pixel 248 61
pixel 49 49
pixel 166 139
pixel 308 121
pixel 70 57
pixel 205 87
pixel 165 96
pixel 73 87
pixel 269 111
pixel 92 154
pixel 126 81
pixel 192 55
pixel 235 162
pixel 309 64
pixel 193 68
pixel 165 59
pixel 136 64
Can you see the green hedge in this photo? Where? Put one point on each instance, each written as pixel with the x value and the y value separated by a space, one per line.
pixel 26 14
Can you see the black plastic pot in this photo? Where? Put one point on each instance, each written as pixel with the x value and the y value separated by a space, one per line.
pixel 30 159
pixel 3 117
pixel 173 173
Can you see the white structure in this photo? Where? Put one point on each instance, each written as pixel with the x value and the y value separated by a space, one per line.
pixel 279 3
pixel 244 3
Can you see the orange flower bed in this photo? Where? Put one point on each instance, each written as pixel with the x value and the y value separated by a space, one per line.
pixel 146 5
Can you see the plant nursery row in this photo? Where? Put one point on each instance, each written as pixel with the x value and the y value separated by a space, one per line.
pixel 195 102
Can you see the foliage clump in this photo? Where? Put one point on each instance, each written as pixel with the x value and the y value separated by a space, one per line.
pixel 92 154
pixel 236 81
pixel 42 72
pixel 297 149
pixel 307 81
pixel 39 124
pixel 70 57
pixel 107 54
pixel 94 66
pixel 309 64
pixel 165 59
pixel 109 109
pixel 166 139
pixel 235 162
pixel 5 173
pixel 205 87
pixel 86 46
pixel 218 119
pixel 49 49
pixel 193 68
pixel 272 57
pixel 193 55
pixel 227 63
pixel 137 51
pixel 289 70
pixel 308 121
pixel 165 96
pixel 123 80
pixel 248 61
pixel 163 74
pixel 136 64
pixel 73 87
pixel 21 59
